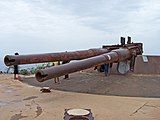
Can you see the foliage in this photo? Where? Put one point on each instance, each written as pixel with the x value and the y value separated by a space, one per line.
pixel 33 70
pixel 24 72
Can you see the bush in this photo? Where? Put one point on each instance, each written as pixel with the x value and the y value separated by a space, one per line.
pixel 24 72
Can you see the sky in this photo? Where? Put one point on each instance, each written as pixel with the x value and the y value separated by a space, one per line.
pixel 44 26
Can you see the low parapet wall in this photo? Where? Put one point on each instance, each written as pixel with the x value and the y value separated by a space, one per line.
pixel 147 64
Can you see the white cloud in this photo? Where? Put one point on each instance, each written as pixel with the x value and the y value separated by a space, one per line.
pixel 29 26
pixel 43 27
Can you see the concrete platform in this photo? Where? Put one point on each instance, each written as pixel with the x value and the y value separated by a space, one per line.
pixel 22 101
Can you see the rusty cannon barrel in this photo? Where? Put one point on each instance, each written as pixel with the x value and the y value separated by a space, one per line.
pixel 117 55
pixel 51 57
pixel 125 52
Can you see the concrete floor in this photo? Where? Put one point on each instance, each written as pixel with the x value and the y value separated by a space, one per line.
pixel 22 101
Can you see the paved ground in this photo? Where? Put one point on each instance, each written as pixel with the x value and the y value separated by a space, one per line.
pixel 22 101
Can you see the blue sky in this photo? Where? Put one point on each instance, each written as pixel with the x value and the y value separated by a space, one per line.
pixel 40 26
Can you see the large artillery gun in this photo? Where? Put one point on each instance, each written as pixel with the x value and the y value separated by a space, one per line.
pixel 123 54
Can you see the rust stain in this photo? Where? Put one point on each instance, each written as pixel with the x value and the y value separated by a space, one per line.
pixel 17 117
pixel 30 98
pixel 38 111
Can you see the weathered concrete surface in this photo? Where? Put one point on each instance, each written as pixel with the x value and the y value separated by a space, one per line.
pixel 89 81
pixel 21 101
pixel 150 67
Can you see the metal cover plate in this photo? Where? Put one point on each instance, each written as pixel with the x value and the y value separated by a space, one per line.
pixel 78 112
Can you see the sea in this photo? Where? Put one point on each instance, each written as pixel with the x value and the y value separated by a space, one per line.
pixel 4 68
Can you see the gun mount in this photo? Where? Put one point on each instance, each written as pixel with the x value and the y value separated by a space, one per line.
pixel 108 54
pixel 117 54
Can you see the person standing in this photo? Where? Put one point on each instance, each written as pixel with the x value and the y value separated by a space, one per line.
pixel 56 79
pixel 16 71
pixel 65 76
pixel 107 69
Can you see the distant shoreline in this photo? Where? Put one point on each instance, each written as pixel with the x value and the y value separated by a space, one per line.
pixel 4 68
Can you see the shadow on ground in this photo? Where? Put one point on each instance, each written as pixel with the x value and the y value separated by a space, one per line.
pixel 96 83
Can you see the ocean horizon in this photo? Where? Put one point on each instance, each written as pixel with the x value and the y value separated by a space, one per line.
pixel 4 68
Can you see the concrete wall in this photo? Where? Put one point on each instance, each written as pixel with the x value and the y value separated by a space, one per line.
pixel 147 64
